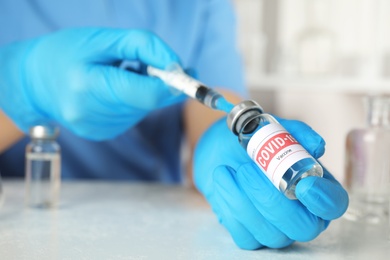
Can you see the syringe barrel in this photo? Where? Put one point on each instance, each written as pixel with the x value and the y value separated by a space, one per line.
pixel 187 85
pixel 207 96
pixel 176 79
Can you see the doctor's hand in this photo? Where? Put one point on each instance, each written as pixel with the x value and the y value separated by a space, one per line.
pixel 71 77
pixel 255 213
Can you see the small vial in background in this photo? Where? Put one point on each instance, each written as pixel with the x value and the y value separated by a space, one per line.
pixel 43 167
pixel 368 165
pixel 284 161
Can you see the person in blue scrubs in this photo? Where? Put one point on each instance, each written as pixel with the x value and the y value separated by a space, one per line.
pixel 76 63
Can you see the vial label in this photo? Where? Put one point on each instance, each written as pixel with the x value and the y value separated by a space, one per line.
pixel 275 150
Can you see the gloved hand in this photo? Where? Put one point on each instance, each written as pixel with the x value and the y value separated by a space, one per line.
pixel 70 77
pixel 254 212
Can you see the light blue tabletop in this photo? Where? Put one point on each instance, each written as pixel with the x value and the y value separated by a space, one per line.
pixel 122 220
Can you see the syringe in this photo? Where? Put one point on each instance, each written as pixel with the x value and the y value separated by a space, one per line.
pixel 181 81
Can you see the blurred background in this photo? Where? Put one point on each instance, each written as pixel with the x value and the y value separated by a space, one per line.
pixel 314 60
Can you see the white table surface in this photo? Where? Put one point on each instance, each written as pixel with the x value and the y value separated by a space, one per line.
pixel 117 220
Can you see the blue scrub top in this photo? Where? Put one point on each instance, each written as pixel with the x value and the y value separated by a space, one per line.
pixel 202 33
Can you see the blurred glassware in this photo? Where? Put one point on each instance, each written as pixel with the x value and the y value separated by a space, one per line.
pixel 43 167
pixel 368 164
pixel 1 192
pixel 252 40
pixel 316 43
pixel 386 65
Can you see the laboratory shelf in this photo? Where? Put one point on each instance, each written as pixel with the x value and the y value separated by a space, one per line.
pixel 333 84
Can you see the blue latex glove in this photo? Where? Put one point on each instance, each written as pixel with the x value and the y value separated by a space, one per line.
pixel 256 213
pixel 70 77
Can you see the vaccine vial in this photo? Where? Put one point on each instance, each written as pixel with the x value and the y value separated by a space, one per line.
pixel 275 151
pixel 43 167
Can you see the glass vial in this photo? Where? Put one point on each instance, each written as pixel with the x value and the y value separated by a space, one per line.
pixel 316 44
pixel 284 161
pixel 1 192
pixel 43 167
pixel 368 165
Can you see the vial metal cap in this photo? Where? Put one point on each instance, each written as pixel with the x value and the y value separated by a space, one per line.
pixel 44 132
pixel 239 110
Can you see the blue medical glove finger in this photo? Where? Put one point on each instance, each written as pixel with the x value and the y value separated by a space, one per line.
pixel 289 216
pixel 99 49
pixel 147 92
pixel 192 72
pixel 324 197
pixel 238 205
pixel 108 46
pixel 144 46
pixel 306 136
pixel 217 146
pixel 133 90
pixel 241 236
pixel 72 76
